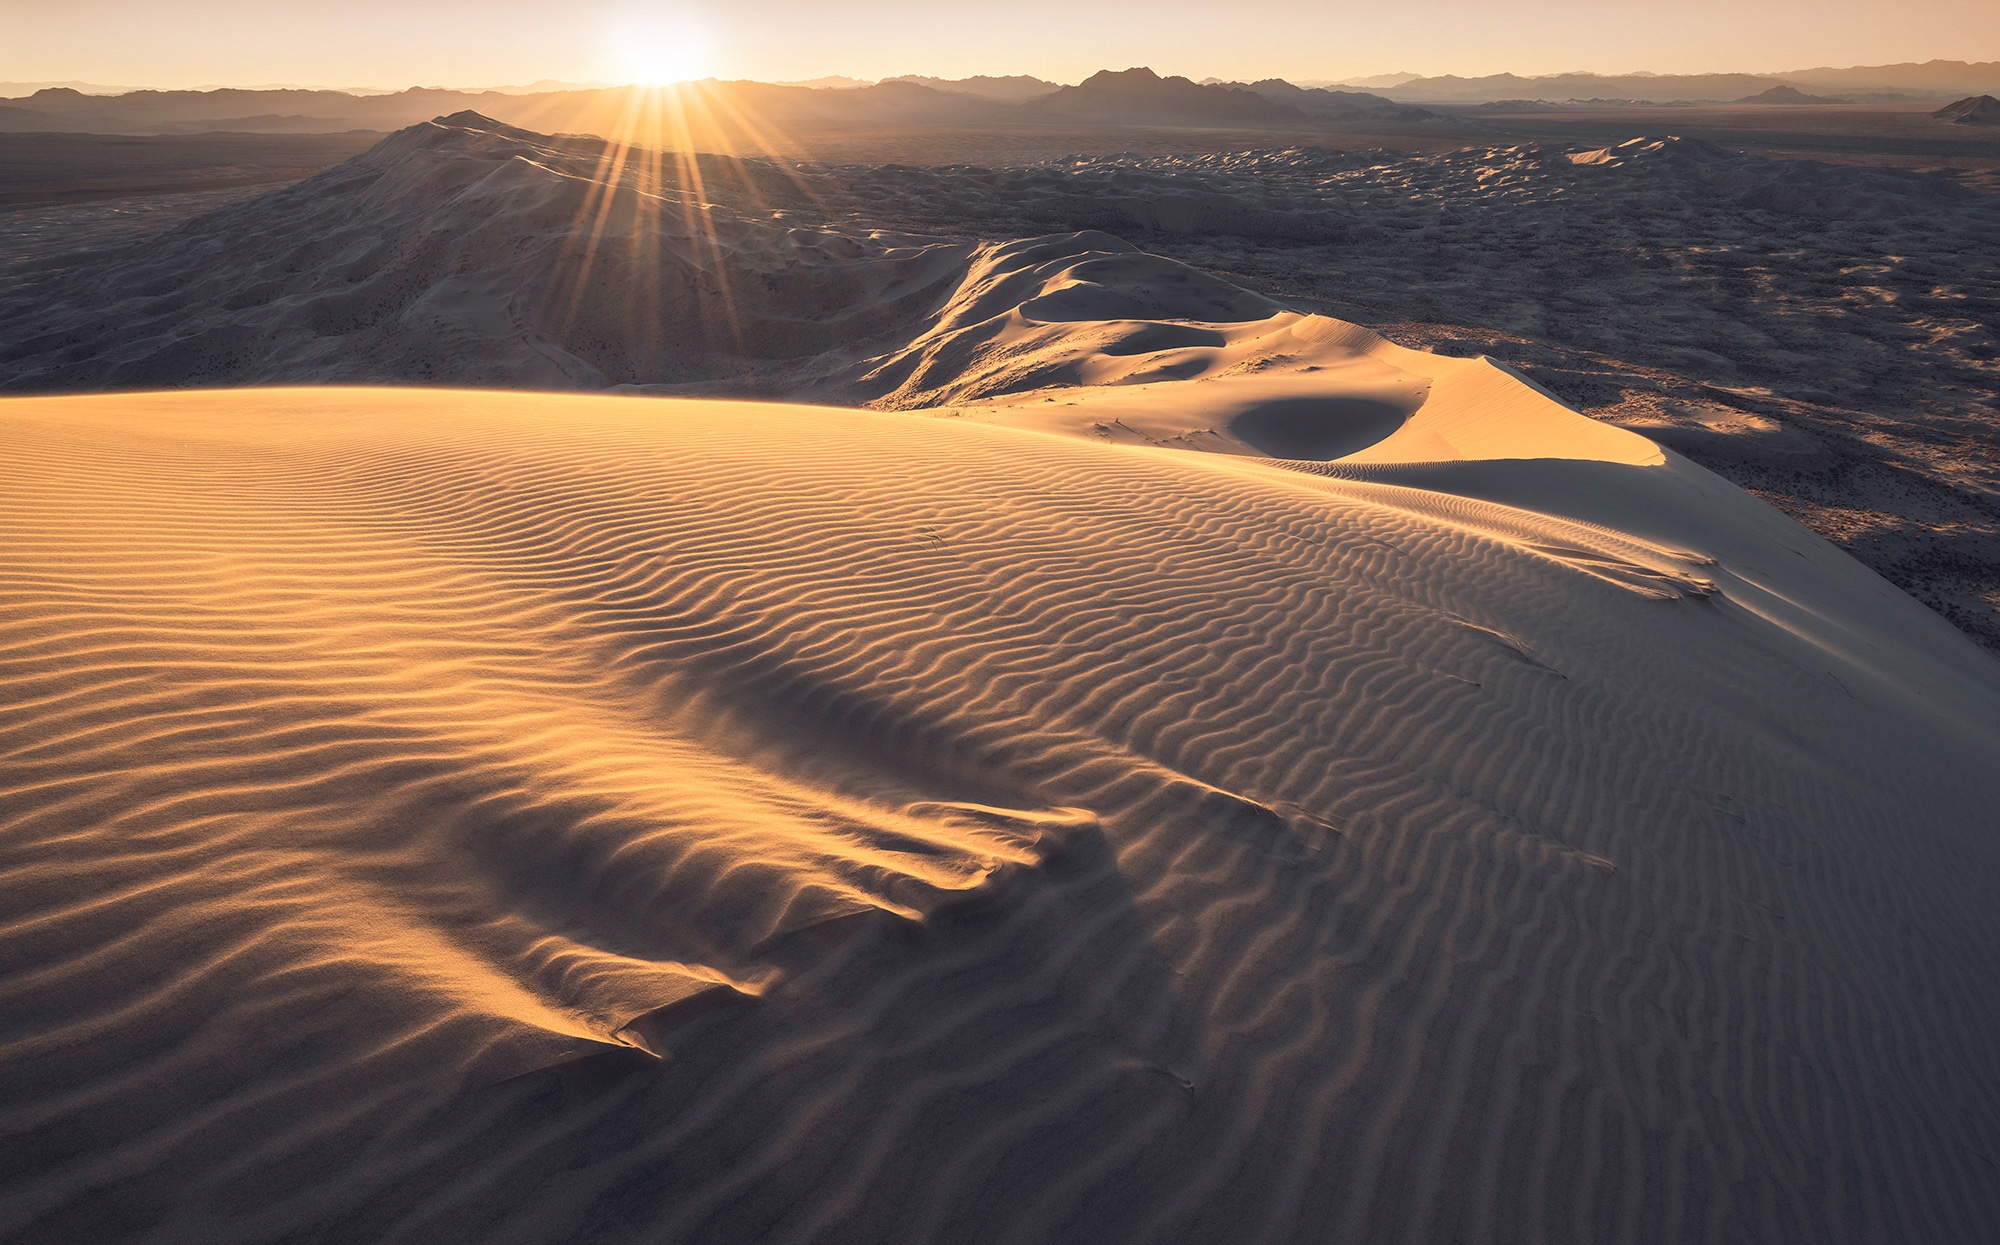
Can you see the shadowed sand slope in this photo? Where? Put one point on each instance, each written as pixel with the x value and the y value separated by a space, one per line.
pixel 443 816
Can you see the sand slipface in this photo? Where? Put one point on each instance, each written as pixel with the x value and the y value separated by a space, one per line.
pixel 447 815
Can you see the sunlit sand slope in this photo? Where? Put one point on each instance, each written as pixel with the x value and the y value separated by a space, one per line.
pixel 442 816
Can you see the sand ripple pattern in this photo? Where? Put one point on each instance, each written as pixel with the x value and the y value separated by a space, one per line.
pixel 501 817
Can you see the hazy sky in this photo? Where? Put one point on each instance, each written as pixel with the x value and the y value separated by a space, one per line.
pixel 396 43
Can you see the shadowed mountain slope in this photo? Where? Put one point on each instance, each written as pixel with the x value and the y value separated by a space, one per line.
pixel 1142 95
pixel 1012 88
pixel 473 252
pixel 470 252
pixel 1323 102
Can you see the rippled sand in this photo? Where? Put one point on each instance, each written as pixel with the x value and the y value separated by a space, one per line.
pixel 444 815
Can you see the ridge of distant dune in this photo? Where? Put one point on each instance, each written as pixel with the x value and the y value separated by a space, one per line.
pixel 1972 110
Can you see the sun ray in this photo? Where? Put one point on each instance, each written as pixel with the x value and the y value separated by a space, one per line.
pixel 665 153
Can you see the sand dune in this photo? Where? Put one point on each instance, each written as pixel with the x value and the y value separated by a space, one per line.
pixel 1179 769
pixel 1972 110
pixel 1819 334
pixel 472 816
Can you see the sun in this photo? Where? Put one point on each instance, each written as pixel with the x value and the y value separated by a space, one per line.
pixel 661 53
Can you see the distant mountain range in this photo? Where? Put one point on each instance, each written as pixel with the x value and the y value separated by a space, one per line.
pixel 1013 89
pixel 1931 80
pixel 14 90
pixel 1782 94
pixel 1452 89
pixel 1130 96
pixel 1944 78
pixel 593 111
pixel 1141 94
pixel 1325 102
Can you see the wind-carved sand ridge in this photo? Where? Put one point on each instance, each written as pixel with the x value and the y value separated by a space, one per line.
pixel 1427 814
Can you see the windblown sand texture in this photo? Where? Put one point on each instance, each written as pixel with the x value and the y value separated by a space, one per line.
pixel 473 816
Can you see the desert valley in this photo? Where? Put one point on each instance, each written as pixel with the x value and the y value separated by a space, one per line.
pixel 978 659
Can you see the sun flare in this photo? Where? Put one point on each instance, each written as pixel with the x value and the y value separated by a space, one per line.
pixel 661 53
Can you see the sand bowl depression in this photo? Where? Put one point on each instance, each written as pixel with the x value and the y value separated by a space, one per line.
pixel 442 815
